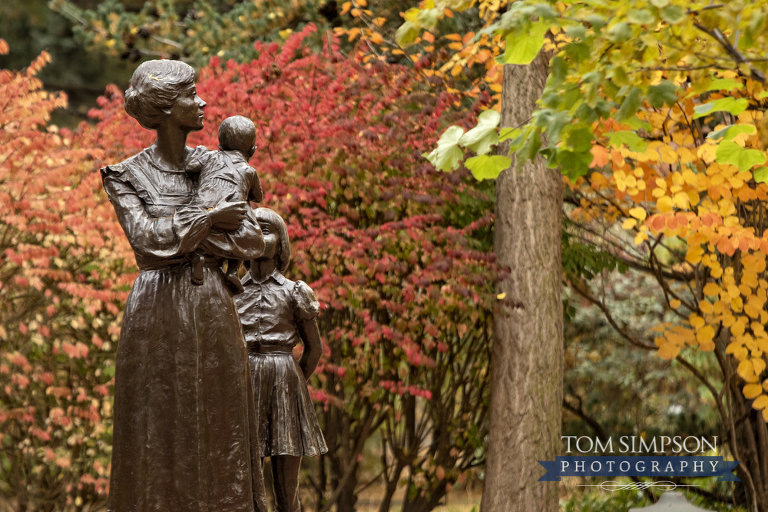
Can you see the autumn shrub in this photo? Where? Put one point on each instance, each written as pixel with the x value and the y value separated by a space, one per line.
pixel 397 254
pixel 58 305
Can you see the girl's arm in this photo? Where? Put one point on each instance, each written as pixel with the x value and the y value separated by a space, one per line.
pixel 313 347
pixel 306 309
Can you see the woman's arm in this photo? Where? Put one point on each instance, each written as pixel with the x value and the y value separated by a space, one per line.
pixel 310 335
pixel 244 243
pixel 164 237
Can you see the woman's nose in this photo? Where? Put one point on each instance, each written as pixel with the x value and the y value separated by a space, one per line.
pixel 200 102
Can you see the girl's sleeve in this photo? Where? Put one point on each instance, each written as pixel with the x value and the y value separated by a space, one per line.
pixel 163 237
pixel 306 307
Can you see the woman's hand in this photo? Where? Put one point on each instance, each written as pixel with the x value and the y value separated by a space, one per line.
pixel 229 216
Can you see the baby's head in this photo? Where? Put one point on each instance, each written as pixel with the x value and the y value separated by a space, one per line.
pixel 237 133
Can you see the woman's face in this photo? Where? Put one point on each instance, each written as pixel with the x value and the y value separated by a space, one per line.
pixel 187 112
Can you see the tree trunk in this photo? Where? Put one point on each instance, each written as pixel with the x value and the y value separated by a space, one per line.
pixel 527 354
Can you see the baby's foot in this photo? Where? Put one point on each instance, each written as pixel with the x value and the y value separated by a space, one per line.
pixel 234 283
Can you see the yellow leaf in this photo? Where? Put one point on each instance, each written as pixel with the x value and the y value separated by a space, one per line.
pixel 345 7
pixel 638 213
pixel 629 224
pixel 668 351
pixel 760 402
pixel 674 303
pixel 746 371
pixel 752 391
pixel 711 290
pixel 664 204
pixel 501 296
pixel 694 254
pixel 759 365
pixel 765 415
pixel 705 334
pixel 640 238
pixel 696 321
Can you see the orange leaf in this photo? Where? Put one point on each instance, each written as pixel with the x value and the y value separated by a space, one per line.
pixel 600 156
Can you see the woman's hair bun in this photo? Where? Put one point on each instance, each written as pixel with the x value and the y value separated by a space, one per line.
pixel 155 87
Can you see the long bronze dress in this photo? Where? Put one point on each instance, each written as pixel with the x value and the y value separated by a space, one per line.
pixel 184 436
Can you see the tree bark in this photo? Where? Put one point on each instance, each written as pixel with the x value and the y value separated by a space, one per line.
pixel 527 354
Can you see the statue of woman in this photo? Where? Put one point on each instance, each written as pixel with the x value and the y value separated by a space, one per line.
pixel 184 430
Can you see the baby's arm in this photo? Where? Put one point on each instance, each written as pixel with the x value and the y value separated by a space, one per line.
pixel 313 347
pixel 255 194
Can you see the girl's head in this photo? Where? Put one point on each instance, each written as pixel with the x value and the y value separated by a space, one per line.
pixel 161 90
pixel 272 223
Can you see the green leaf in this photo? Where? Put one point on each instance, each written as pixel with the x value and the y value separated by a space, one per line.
pixel 529 149
pixel 728 152
pixel 448 154
pixel 637 124
pixel 522 47
pixel 729 104
pixel 480 138
pixel 428 19
pixel 620 32
pixel 725 84
pixel 665 92
pixel 659 3
pixel 580 140
pixel 633 141
pixel 673 14
pixel 508 133
pixel 407 34
pixel 458 5
pixel 760 175
pixel 630 104
pixel 487 167
pixel 576 32
pixel 574 165
pixel 730 132
pixel 641 17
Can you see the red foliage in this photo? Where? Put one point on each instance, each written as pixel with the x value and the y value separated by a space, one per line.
pixel 396 253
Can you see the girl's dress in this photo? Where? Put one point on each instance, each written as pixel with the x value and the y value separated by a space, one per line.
pixel 269 311
pixel 184 430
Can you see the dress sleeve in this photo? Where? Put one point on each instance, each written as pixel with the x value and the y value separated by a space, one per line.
pixel 246 243
pixel 305 305
pixel 163 237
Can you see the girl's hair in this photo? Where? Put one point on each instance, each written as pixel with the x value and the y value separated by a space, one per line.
pixel 284 249
pixel 155 86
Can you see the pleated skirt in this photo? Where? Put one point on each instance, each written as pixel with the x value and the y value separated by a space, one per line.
pixel 287 423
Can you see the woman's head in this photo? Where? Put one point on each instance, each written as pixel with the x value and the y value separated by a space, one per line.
pixel 272 223
pixel 157 86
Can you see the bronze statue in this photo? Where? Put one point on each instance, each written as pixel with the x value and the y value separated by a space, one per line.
pixel 276 315
pixel 226 176
pixel 184 426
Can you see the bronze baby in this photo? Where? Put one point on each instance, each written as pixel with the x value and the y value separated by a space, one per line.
pixel 226 176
